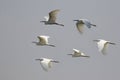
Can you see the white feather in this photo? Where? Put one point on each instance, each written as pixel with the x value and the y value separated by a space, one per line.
pixel 46 18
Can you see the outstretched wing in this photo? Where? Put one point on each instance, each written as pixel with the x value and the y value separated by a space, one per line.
pixel 46 18
pixel 76 51
pixel 102 45
pixel 104 48
pixel 52 15
pixel 80 27
pixel 45 64
pixel 87 23
pixel 43 39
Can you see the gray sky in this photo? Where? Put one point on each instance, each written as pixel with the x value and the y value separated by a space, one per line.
pixel 19 26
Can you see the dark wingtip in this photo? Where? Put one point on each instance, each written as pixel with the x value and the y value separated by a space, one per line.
pixel 95 40
pixel 42 21
pixel 69 54
pixel 75 20
pixel 34 42
pixel 37 59
pixel 61 25
pixel 52 45
pixel 113 43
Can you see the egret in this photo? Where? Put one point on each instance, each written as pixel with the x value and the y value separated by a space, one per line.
pixel 102 45
pixel 77 53
pixel 83 22
pixel 51 19
pixel 46 63
pixel 43 41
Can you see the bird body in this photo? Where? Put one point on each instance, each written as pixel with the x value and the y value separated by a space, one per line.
pixel 46 63
pixel 51 20
pixel 102 45
pixel 43 40
pixel 77 53
pixel 83 22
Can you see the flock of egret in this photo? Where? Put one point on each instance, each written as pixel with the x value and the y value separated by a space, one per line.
pixel 46 63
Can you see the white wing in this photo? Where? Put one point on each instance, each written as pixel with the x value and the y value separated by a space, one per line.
pixel 82 54
pixel 80 27
pixel 46 18
pixel 76 51
pixel 43 39
pixel 45 64
pixel 87 23
pixel 102 44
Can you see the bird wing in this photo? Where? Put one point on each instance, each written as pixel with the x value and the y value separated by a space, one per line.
pixel 76 51
pixel 80 27
pixel 46 18
pixel 102 46
pixel 50 64
pixel 77 54
pixel 52 15
pixel 87 23
pixel 43 39
pixel 82 54
pixel 45 64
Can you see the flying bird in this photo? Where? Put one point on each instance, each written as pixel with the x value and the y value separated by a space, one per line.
pixel 77 53
pixel 46 63
pixel 43 41
pixel 83 22
pixel 51 19
pixel 102 45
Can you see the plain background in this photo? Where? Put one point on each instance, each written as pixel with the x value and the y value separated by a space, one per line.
pixel 20 25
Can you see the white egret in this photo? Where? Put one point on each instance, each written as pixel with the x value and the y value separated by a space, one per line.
pixel 52 18
pixel 77 53
pixel 46 63
pixel 43 41
pixel 102 45
pixel 83 22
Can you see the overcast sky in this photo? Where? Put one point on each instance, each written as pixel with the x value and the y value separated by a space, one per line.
pixel 20 25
